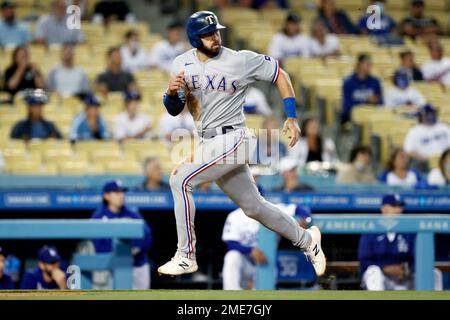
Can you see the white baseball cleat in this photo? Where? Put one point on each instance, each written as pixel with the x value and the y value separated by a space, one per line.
pixel 314 252
pixel 178 265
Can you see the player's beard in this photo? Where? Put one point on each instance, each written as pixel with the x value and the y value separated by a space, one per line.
pixel 210 52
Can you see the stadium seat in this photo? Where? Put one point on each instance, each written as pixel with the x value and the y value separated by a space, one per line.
pixel 136 145
pixel 55 156
pixel 96 145
pixel 395 5
pixel 32 169
pixel 17 158
pixel 106 155
pixel 437 6
pixel 73 167
pixel 123 167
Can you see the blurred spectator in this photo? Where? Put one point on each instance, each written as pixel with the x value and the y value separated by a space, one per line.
pixel 154 176
pixel 336 20
pixel 67 79
pixel 312 146
pixel 113 207
pixel 89 124
pixel 407 63
pixel 133 55
pixel 387 24
pixel 398 172
pixel 429 137
pixel 132 124
pixel 48 274
pixel 35 126
pixel 359 169
pixel 114 78
pixel 256 102
pixel 291 183
pixel 12 32
pixel 181 125
pixel 360 88
pixel 52 29
pixel 110 11
pixel 438 68
pixel 270 149
pixel 441 176
pixel 22 74
pixel 165 51
pixel 417 24
pixel 6 282
pixel 387 260
pixel 323 44
pixel 290 42
pixel 403 94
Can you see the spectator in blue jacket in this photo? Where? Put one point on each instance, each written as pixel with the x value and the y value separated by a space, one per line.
pixel 398 173
pixel 387 23
pixel 48 274
pixel 113 208
pixel 336 21
pixel 360 88
pixel 12 32
pixel 89 125
pixel 35 126
pixel 387 260
pixel 6 282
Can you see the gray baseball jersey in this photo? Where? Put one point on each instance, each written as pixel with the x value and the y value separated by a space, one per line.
pixel 218 88
pixel 220 84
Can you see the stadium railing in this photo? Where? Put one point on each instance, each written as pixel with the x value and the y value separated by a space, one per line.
pixel 424 226
pixel 120 261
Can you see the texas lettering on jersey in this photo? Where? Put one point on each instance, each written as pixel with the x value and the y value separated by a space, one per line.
pixel 211 83
pixel 218 86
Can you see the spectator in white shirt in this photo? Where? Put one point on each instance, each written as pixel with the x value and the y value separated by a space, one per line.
pixel 256 102
pixel 398 172
pixel 429 137
pixel 66 79
pixel 403 94
pixel 290 42
pixel 132 124
pixel 441 176
pixel 172 128
pixel 312 146
pixel 134 57
pixel 323 44
pixel 438 68
pixel 165 51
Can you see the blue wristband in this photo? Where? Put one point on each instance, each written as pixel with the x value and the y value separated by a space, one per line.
pixel 289 107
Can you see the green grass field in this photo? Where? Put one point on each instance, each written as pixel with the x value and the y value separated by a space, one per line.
pixel 224 295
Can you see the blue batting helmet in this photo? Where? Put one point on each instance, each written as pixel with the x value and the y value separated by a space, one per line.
pixel 199 23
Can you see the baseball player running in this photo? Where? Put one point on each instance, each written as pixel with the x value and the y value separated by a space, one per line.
pixel 212 82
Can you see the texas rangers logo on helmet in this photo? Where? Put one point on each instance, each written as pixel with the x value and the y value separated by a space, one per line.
pixel 210 19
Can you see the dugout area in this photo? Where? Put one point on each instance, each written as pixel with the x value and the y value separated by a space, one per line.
pixel 340 249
